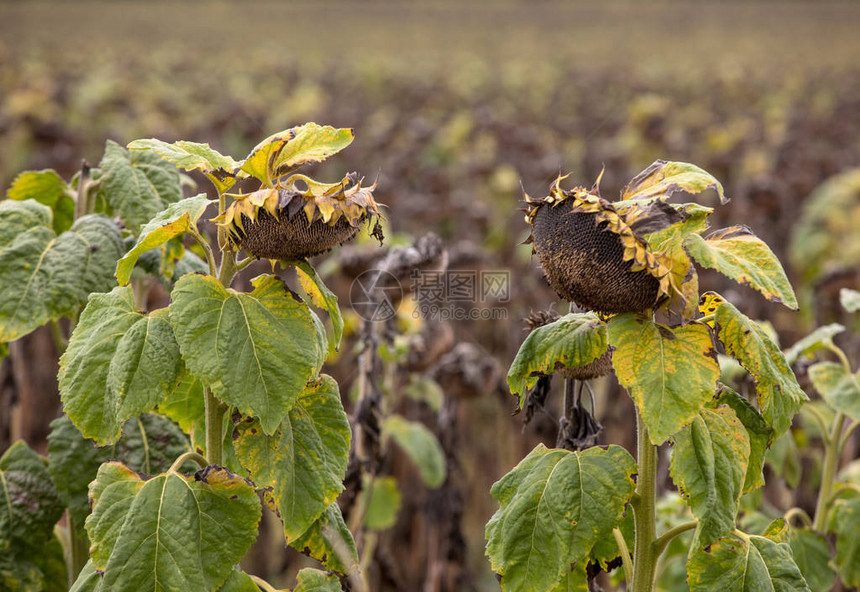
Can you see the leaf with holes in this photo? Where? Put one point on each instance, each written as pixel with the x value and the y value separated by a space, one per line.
pixel 670 372
pixel 255 351
pixel 553 507
pixel 169 531
pixel 300 466
pixel 739 254
pixel 779 396
pixel 709 463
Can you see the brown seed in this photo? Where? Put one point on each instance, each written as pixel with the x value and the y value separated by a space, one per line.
pixel 583 262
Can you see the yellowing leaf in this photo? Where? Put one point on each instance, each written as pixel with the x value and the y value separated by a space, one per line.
pixel 663 179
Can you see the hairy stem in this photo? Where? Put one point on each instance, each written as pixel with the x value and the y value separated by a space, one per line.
pixel 828 475
pixel 644 513
pixel 663 541
pixel 186 456
pixel 626 560
pixel 204 244
pixel 215 410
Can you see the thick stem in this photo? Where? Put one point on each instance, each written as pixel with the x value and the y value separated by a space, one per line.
pixel 644 513
pixel 79 548
pixel 228 267
pixel 828 475
pixel 214 421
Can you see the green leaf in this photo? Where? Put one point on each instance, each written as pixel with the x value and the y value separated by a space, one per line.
pixel 186 406
pixel 44 277
pixel 783 458
pixel 169 223
pixel 741 563
pixel 329 541
pixel 709 463
pixel 821 337
pixel 255 351
pixel 321 296
pixel 193 156
pixel 312 143
pixel 812 556
pixel 47 188
pixel 29 504
pixel 850 299
pixel 137 185
pixel 89 580
pixel 426 390
pixel 759 433
pixel 553 508
pixel 39 570
pixel 383 503
pixel 739 254
pixel 670 372
pixel 421 445
pixel 663 179
pixel 574 340
pixel 314 580
pixel 149 444
pixel 838 387
pixel 119 363
pixel 170 531
pixel 239 581
pixel 301 466
pixel 779 396
pixel 845 521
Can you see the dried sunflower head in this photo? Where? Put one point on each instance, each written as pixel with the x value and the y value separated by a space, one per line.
pixel 300 217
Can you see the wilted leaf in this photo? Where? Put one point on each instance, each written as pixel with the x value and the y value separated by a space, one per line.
pixel 321 296
pixel 741 563
pixel 312 143
pixel 838 387
pixel 760 435
pixel 779 395
pixel 420 444
pixel 302 464
pixel 329 541
pixel 821 337
pixel 850 299
pixel 255 351
pixel 192 156
pixel 171 222
pixel 119 363
pixel 574 340
pixel 44 277
pixel 47 188
pixel 380 499
pixel 170 531
pixel 663 179
pixel 709 463
pixel 553 507
pixel 739 254
pixel 138 184
pixel 670 372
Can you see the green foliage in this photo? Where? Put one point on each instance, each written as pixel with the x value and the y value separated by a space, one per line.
pixel 29 508
pixel 171 222
pixel 845 522
pixel 321 297
pixel 811 553
pixel 822 337
pixel 119 363
pixel 742 256
pixel 741 563
pixel 193 156
pixel 759 434
pixel 663 179
pixel 43 276
pixel 381 501
pixel 779 396
pixel 555 506
pixel 170 530
pixel 574 340
pixel 839 388
pixel 302 464
pixel 420 444
pixel 49 189
pixel 255 351
pixel 137 185
pixel 709 464
pixel 670 372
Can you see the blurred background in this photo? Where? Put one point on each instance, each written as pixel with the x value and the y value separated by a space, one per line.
pixel 458 108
